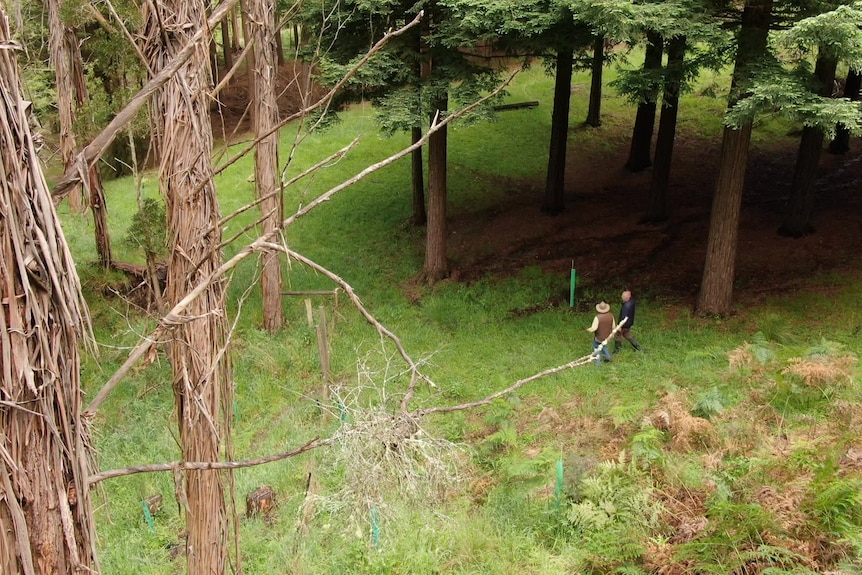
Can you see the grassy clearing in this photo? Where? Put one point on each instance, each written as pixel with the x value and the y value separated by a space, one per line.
pixel 726 445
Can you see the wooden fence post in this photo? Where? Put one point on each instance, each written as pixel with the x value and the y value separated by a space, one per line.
pixel 323 345
pixel 309 314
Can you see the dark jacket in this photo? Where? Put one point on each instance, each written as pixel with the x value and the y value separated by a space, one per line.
pixel 628 310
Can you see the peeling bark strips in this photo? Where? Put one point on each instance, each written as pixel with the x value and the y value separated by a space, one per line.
pixel 200 374
pixel 716 290
pixel 261 25
pixel 69 75
pixel 46 521
pixel 62 41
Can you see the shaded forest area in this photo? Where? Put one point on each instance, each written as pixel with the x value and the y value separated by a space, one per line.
pixel 600 230
pixel 601 233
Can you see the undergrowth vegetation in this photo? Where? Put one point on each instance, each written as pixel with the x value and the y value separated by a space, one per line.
pixel 726 446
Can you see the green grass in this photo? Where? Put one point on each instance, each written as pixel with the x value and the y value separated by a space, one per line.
pixel 499 518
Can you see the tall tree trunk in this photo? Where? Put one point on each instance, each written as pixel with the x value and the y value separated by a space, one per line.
pixel 279 44
pixel 264 119
pixel 201 378
pixel 46 515
pixel 797 218
pixel 72 95
pixel 422 71
pixel 100 217
pixel 227 48
pixel 556 178
pixel 594 113
pixel 436 266
pixel 716 289
pixel 235 29
pixel 640 157
pixel 841 142
pixel 95 190
pixel 657 202
pixel 420 217
pixel 61 40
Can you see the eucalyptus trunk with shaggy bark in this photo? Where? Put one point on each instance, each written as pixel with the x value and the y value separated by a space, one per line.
pixel 61 41
pixel 261 25
pixel 716 289
pixel 72 95
pixel 46 517
pixel 196 347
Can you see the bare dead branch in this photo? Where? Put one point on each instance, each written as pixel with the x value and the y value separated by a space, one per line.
pixel 202 465
pixel 521 382
pixel 126 32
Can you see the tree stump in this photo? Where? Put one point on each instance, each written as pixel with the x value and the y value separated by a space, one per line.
pixel 261 501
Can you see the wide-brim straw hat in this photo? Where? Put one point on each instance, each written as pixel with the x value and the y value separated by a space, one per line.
pixel 602 307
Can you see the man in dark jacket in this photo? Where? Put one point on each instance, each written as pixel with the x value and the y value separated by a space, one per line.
pixel 627 311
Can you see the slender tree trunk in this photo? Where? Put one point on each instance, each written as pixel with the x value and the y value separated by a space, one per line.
pixel 797 218
pixel 716 289
pixel 227 48
pixel 201 377
pixel 657 203
pixel 61 40
pixel 46 515
pixel 841 142
pixel 72 95
pixel 235 28
pixel 436 266
pixel 422 72
pixel 594 113
pixel 95 190
pixel 279 44
pixel 100 218
pixel 556 178
pixel 640 156
pixel 264 119
pixel 418 179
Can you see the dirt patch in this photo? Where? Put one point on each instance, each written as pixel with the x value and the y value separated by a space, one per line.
pixel 231 115
pixel 600 234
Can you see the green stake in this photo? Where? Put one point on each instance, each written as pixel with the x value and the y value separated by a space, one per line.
pixel 574 282
pixel 148 516
pixel 375 528
pixel 558 491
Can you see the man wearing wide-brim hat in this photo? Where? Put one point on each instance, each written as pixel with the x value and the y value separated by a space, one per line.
pixel 603 324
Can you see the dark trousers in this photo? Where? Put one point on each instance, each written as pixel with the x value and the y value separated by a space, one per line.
pixel 625 334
